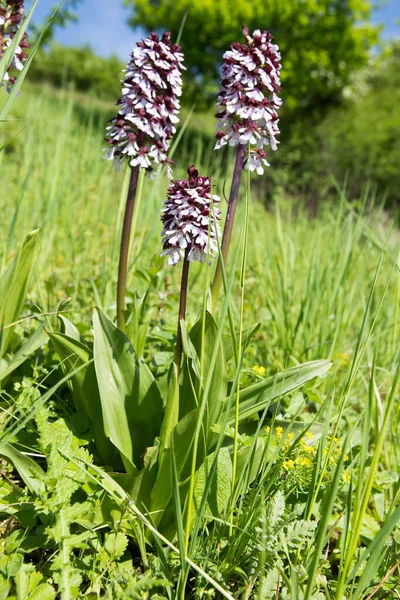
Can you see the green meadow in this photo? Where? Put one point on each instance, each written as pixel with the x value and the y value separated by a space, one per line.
pixel 264 463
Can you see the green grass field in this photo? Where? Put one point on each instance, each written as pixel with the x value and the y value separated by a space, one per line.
pixel 313 512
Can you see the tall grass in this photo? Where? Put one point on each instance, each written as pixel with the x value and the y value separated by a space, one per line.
pixel 327 287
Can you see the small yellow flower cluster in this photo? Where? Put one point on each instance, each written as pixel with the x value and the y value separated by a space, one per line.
pixel 299 461
pixel 334 449
pixel 342 358
pixel 259 371
pixel 346 476
pixel 302 455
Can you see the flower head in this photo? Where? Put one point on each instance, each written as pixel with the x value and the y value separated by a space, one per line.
pixel 11 15
pixel 248 101
pixel 190 218
pixel 149 104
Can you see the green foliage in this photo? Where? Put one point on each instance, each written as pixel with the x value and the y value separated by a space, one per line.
pixel 295 518
pixel 361 140
pixel 131 401
pixel 61 514
pixel 13 288
pixel 14 282
pixel 88 72
pixel 322 42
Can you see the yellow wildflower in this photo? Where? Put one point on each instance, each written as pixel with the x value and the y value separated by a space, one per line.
pixel 279 431
pixel 342 358
pixel 288 464
pixel 257 370
pixel 346 476
pixel 290 436
pixel 310 435
pixel 268 429
pixel 302 461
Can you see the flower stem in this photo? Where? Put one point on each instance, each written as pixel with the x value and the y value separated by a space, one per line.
pixel 182 309
pixel 230 217
pixel 124 251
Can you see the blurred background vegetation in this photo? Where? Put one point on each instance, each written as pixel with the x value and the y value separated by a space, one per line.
pixel 340 121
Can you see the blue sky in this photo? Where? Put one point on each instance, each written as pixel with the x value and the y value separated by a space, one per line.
pixel 102 24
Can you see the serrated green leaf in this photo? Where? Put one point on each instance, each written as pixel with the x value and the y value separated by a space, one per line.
pixel 30 585
pixel 115 544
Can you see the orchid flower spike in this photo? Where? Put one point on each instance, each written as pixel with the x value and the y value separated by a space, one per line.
pixel 149 105
pixel 248 100
pixel 11 15
pixel 190 218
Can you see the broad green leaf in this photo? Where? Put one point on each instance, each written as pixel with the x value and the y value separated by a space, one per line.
pixel 136 328
pixel 249 460
pixel 171 409
pixel 131 401
pixel 202 344
pixel 84 388
pixel 69 328
pixel 27 468
pixel 183 436
pixel 13 287
pixel 33 343
pixel 221 486
pixel 144 482
pixel 256 397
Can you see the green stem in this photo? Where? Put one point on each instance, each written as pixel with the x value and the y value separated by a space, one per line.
pixel 124 251
pixel 182 309
pixel 230 217
pixel 240 350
